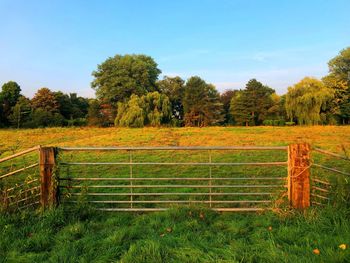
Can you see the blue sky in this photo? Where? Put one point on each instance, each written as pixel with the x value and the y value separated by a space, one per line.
pixel 57 44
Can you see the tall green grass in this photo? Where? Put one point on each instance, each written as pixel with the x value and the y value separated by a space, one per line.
pixel 178 235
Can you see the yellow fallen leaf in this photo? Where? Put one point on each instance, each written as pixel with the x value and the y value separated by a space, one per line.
pixel 316 251
pixel 342 246
pixel 270 228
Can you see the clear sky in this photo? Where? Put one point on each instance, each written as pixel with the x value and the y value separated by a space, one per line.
pixel 57 44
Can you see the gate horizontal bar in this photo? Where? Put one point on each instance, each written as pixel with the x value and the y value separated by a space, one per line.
pixel 173 186
pixel 320 189
pixel 320 196
pixel 24 199
pixel 320 181
pixel 175 202
pixel 330 169
pixel 190 148
pixel 246 209
pixel 332 154
pixel 19 154
pixel 20 185
pixel 157 194
pixel 174 179
pixel 191 164
pixel 19 170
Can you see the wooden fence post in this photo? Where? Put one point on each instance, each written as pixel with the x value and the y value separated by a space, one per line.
pixel 47 162
pixel 299 175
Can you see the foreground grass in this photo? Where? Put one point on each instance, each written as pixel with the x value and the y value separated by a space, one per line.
pixel 180 235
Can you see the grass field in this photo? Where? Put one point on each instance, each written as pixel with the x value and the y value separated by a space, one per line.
pixel 333 138
pixel 192 234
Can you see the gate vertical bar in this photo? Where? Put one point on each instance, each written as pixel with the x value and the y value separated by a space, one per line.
pixel 299 175
pixel 131 182
pixel 210 176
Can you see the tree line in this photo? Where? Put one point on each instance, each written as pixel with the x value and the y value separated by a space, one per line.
pixel 130 94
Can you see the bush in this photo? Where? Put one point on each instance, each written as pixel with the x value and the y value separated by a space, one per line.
pixel 77 122
pixel 281 123
pixel 290 123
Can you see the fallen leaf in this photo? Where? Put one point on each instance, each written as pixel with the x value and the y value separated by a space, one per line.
pixel 161 235
pixel 342 246
pixel 270 228
pixel 201 215
pixel 169 229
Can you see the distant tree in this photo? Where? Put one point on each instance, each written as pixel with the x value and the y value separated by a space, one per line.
pixel 45 99
pixel 152 109
pixel 43 118
pixel 80 106
pixel 240 112
pixel 258 100
pixel 225 99
pixel 9 96
pixel 65 106
pixel 71 106
pixel 95 116
pixel 305 100
pixel 21 112
pixel 340 66
pixel 117 78
pixel 157 108
pixel 130 113
pixel 202 106
pixel 174 88
pixel 251 105
pixel 277 110
pixel 338 80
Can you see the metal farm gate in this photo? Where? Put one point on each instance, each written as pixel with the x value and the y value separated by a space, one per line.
pixel 241 178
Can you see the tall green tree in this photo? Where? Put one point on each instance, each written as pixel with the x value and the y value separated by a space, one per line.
pixel 202 106
pixel 338 80
pixel 21 112
pixel 117 78
pixel 9 96
pixel 239 111
pixel 258 100
pixel 253 103
pixel 306 99
pixel 174 88
pixel 225 99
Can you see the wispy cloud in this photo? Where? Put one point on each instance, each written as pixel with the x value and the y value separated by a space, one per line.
pixel 278 78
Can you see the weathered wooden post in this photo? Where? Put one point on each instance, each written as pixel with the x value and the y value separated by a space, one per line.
pixel 299 175
pixel 48 184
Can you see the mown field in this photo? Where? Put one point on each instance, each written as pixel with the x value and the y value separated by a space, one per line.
pixel 191 234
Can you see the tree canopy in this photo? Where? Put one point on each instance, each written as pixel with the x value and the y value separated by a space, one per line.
pixel 202 106
pixel 338 80
pixel 152 109
pixel 117 78
pixel 174 88
pixel 252 104
pixel 305 100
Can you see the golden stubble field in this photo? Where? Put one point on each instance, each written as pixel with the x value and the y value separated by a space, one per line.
pixel 334 138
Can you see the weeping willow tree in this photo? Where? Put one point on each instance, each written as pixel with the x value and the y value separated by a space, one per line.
pixel 152 109
pixel 306 99
pixel 130 113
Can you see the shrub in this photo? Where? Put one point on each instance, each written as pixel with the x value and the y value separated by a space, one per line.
pixel 290 123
